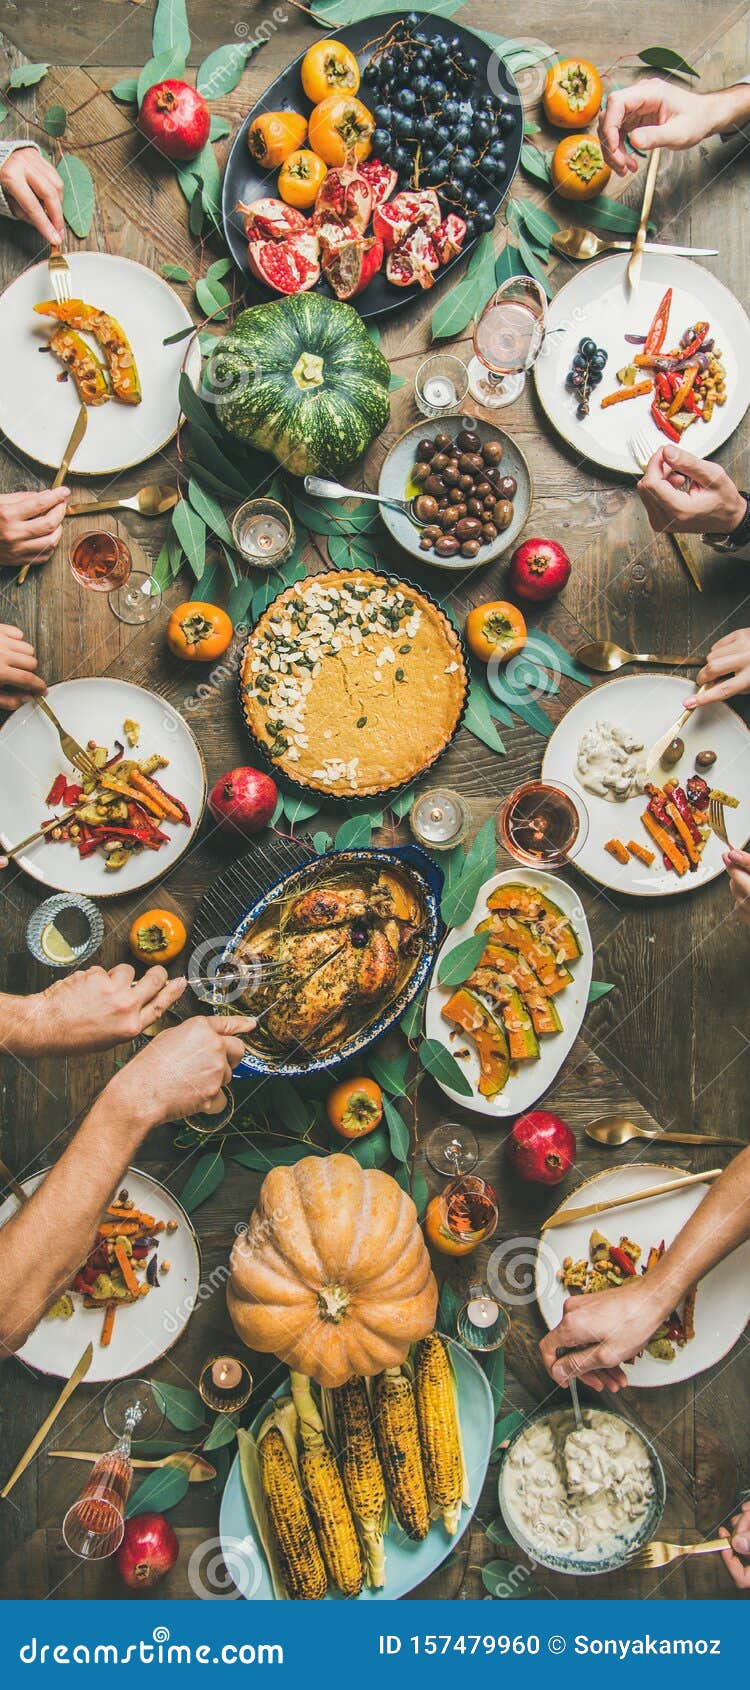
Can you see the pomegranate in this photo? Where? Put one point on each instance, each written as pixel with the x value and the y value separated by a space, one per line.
pixel 344 196
pixel 541 1147
pixel 414 260
pixel 381 179
pixel 349 267
pixel 332 235
pixel 176 119
pixel 148 1550
pixel 407 211
pixel 243 800
pixel 449 236
pixel 290 266
pixel 539 569
pixel 272 220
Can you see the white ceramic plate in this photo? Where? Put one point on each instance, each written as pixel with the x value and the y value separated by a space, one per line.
pixel 144 1331
pixel 37 412
pixel 647 705
pixel 529 1080
pixel 30 758
pixel 597 302
pixel 722 1305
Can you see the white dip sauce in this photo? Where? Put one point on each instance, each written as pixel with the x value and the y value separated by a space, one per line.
pixel 610 761
pixel 578 1492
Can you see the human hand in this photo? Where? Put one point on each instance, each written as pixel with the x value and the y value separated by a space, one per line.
pixel 17 666
pixel 31 525
pixel 602 1329
pixel 34 192
pixel 182 1071
pixel 738 1545
pixel 737 864
pixel 683 494
pixel 654 114
pixel 725 672
pixel 93 1009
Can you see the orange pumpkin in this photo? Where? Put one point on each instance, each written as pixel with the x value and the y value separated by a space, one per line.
pixel 300 177
pixel 495 630
pixel 157 936
pixel 274 135
pixel 578 169
pixel 329 68
pixel 198 632
pixel 340 124
pixel 332 1275
pixel 572 93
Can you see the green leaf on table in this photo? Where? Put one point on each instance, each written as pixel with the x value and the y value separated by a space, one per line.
pixel 355 833
pixel 373 1151
pixel 336 14
pixel 411 1020
pixel 665 58
pixel 538 222
pixel 462 302
pixel 191 533
pixel 213 298
pixel 505 1428
pixel 402 803
pixel 322 842
pixel 419 1191
pixel 494 1367
pixel 187 180
pixel 79 197
pixel 298 809
pixel 55 120
pixel 125 91
pixel 293 1113
pixel 498 1580
pixel 27 76
pixel 557 659
pixel 164 65
pixel 203 1181
pixel 223 1431
pixel 390 1071
pixel 174 273
pixel 496 1531
pixel 210 511
pixel 170 27
pixel 398 1132
pixel 4 112
pixel 207 587
pixel 449 1305
pixel 535 163
pixel 347 552
pixel 460 894
pixel 443 1067
pixel 599 989
pixel 478 720
pixel 183 1408
pixel 221 71
pixel 207 170
pixel 521 702
pixel 611 215
pixel 530 128
pixel 462 960
pixel 532 263
pixel 199 408
pixel 396 382
pixel 158 1492
pixel 265 1152
pixel 220 267
pixel 238 603
pixel 219 128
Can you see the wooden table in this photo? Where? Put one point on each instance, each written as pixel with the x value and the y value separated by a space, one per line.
pixel 670 1042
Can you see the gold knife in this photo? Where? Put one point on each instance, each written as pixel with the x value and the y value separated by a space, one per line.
pixel 683 552
pixel 79 1373
pixel 562 1216
pixel 636 258
pixel 12 1183
pixel 660 747
pixel 79 429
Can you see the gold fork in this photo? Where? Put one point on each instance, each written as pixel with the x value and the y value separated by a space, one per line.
pixel 59 270
pixel 660 1554
pixel 70 747
pixel 716 820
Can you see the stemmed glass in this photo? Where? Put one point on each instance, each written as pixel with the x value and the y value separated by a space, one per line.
pixel 508 338
pixel 102 561
pixel 94 1525
pixel 543 824
pixel 452 1149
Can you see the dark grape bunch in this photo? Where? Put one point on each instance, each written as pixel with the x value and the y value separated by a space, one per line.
pixel 586 372
pixel 430 126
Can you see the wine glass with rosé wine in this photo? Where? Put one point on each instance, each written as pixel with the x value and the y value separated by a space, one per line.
pixel 508 338
pixel 94 1525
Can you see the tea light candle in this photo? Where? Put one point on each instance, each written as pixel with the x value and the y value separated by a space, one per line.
pixel 482 1324
pixel 439 818
pixel 263 533
pixel 441 385
pixel 439 392
pixel 482 1311
pixel 225 1384
pixel 226 1373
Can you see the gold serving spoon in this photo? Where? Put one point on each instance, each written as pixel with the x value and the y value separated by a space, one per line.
pixel 153 500
pixel 582 244
pixel 198 1470
pixel 614 1130
pixel 605 656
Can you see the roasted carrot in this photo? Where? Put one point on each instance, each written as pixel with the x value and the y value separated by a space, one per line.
pixel 144 786
pixel 617 850
pixel 641 852
pixel 688 1315
pixel 108 1325
pixel 119 1229
pixel 123 1262
pixel 686 836
pixel 125 791
pixel 119 1213
pixel 683 390
pixel 665 843
pixel 627 393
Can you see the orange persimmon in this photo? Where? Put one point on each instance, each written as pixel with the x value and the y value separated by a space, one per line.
pixel 355 1107
pixel 436 1234
pixel 300 177
pixel 329 68
pixel 572 93
pixel 198 632
pixel 340 124
pixel 578 169
pixel 495 630
pixel 274 135
pixel 157 936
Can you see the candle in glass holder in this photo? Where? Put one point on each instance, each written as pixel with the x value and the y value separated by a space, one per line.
pixel 439 392
pixel 263 533
pixel 441 385
pixel 439 819
pixel 482 1324
pixel 225 1384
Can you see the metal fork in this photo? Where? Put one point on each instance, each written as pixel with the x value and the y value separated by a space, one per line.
pixel 660 1554
pixel 70 747
pixel 59 270
pixel 716 820
pixel 643 451
pixel 640 448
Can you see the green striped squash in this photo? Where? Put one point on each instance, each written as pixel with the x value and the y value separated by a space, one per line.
pixel 301 378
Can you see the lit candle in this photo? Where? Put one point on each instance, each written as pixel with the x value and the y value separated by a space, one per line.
pixel 482 1311
pixel 439 818
pixel 439 392
pixel 225 1384
pixel 263 533
pixel 226 1373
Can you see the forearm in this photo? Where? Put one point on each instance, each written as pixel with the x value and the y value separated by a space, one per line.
pixel 719 1224
pixel 729 109
pixel 22 1026
pixel 49 1237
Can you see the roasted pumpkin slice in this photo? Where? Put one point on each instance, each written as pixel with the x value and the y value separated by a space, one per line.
pixel 522 1040
pixel 123 371
pixel 532 906
pixel 466 1010
pixel 508 930
pixel 84 367
pixel 541 1008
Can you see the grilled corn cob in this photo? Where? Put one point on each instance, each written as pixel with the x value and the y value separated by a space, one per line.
pixel 361 1471
pixel 324 1490
pixel 398 1442
pixel 438 1428
pixel 300 1560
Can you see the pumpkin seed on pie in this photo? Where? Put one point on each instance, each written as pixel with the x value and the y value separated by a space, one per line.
pixel 363 692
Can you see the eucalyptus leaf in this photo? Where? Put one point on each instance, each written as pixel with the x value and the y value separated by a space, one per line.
pixel 203 1181
pixel 346 552
pixel 183 1408
pixel 443 1067
pixel 494 1367
pixel 206 588
pixel 298 809
pixel 170 27
pixel 398 1132
pixel 213 298
pixel 158 1492
pixel 390 1071
pixel 462 303
pixel 199 408
pixel 460 894
pixel 538 222
pixel 411 1020
pixel 532 263
pixel 174 273
pixel 221 71
pixel 238 603
pixel 4 112
pixel 55 120
pixel 524 706
pixel 499 1580
pixel 505 1428
pixel 498 711
pixel 535 163
pixel 219 128
pixel 191 533
pixel 530 128
pixel 338 13
pixel 211 512
pixel 419 1193
pixel 223 1431
pixel 462 960
pixel 125 91
pixel 170 63
pixel 402 803
pixel 79 198
pixel 322 842
pixel 27 76
pixel 266 1152
pixel 557 658
pixel 449 1305
pixel 479 721
pixel 373 1151
pixel 665 58
pixel 396 382
pixel 611 215
pixel 497 1532
pixel 355 833
pixel 291 1112
pixel 220 267
pixel 599 989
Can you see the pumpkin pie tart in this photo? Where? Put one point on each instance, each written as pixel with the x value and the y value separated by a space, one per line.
pixel 353 682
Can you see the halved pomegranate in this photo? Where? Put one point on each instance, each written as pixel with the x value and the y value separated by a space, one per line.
pixel 415 260
pixel 349 268
pixel 449 236
pixel 289 266
pixel 344 196
pixel 380 178
pixel 270 219
pixel 332 235
pixel 405 212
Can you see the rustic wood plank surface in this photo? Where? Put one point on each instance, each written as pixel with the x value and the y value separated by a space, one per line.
pixel 669 1043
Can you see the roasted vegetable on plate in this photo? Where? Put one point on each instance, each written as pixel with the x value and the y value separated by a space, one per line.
pixel 610 1265
pixel 122 1266
pixel 119 812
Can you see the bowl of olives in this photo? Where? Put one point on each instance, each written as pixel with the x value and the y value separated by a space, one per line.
pixel 470 490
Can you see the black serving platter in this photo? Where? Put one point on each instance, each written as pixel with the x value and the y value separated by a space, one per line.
pixel 243 180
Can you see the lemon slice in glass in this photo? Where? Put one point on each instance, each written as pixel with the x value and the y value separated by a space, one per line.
pixel 54 946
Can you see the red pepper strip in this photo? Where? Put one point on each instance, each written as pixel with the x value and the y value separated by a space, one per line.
pixel 690 403
pixel 663 385
pixel 152 835
pixel 682 390
pixel 667 863
pixel 119 833
pixel 701 330
pixel 56 791
pixel 184 812
pixel 73 794
pixel 658 331
pixel 664 423
pixel 679 799
pixel 621 1260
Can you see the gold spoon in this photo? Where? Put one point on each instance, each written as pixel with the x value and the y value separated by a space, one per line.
pixel 583 244
pixel 198 1470
pixel 604 656
pixel 613 1130
pixel 153 500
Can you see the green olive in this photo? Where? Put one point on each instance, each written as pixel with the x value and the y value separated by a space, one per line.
pixel 674 751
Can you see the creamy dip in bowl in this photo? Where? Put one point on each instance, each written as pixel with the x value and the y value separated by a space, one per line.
pixel 581 1500
pixel 611 761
